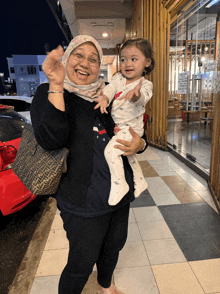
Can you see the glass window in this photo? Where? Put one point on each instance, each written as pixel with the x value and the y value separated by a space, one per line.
pixel 192 72
pixel 31 69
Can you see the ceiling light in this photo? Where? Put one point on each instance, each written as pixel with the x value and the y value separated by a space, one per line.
pixel 211 3
pixel 110 23
pixel 93 23
pixel 105 35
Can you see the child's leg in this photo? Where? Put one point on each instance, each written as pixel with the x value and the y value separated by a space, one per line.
pixel 119 186
pixel 140 184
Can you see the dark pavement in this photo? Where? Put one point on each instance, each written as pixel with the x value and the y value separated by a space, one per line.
pixel 16 231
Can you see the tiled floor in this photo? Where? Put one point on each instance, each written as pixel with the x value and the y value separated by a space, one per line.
pixel 173 244
pixel 192 138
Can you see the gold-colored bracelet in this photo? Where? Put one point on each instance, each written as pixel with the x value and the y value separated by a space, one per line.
pixel 55 92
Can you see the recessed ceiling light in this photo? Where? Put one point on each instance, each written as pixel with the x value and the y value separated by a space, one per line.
pixel 105 35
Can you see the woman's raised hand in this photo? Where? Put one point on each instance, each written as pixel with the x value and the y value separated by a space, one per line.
pixel 53 68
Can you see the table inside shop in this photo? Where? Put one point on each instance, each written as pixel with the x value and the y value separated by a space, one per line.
pixel 194 114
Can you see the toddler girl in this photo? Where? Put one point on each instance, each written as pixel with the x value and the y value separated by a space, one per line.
pixel 131 91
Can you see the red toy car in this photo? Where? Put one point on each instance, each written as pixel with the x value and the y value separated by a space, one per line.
pixel 13 194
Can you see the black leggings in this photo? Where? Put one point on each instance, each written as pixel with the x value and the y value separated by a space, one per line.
pixel 92 241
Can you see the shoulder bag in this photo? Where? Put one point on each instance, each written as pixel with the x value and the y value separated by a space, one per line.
pixel 38 169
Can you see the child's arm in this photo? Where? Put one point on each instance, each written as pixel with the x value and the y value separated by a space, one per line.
pixel 107 94
pixel 102 101
pixel 133 95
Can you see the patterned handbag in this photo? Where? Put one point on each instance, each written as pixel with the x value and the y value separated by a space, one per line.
pixel 38 169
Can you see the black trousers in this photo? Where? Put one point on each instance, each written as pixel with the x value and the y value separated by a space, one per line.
pixel 92 241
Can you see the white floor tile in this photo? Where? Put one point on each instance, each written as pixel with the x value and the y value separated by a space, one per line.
pixel 155 230
pixel 164 172
pixel 138 280
pixel 155 162
pixel 45 285
pixel 158 185
pixel 176 278
pixel 145 214
pixel 197 186
pixel 207 273
pixel 52 262
pixel 133 233
pixel 205 194
pixel 164 251
pixel 131 216
pixel 132 255
pixel 164 199
pixel 57 240
pixel 57 223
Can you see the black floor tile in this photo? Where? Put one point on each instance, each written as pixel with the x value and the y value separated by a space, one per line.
pixel 198 247
pixel 184 227
pixel 210 224
pixel 174 212
pixel 196 228
pixel 200 209
pixel 143 200
pixel 216 241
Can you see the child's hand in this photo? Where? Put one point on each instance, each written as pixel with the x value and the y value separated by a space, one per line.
pixel 133 95
pixel 102 103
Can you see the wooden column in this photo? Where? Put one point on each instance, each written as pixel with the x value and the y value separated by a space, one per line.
pixel 152 21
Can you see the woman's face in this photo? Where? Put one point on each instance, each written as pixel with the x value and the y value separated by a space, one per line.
pixel 83 65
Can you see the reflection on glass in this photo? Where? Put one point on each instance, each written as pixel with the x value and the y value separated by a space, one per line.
pixel 191 95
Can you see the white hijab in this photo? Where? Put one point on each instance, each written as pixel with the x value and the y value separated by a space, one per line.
pixel 87 92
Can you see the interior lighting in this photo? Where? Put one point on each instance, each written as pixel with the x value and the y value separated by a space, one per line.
pixel 105 35
pixel 206 48
pixel 203 58
pixel 211 3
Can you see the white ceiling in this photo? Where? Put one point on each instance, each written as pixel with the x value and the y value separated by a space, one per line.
pixel 96 17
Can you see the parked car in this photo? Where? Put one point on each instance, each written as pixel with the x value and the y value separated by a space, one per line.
pixel 13 194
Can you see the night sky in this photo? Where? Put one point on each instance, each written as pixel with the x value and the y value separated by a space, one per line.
pixel 26 26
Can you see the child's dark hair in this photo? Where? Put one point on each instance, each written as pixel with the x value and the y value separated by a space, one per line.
pixel 145 47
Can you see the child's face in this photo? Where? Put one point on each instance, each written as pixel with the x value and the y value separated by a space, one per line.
pixel 133 63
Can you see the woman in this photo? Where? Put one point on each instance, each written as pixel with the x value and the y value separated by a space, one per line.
pixel 63 115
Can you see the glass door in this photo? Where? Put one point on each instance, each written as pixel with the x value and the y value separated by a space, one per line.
pixel 192 72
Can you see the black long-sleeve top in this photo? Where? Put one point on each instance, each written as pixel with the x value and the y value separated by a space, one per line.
pixel 84 189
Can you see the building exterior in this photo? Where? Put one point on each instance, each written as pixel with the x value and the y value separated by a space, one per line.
pixel 27 72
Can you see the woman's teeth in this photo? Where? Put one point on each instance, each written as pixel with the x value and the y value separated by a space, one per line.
pixel 82 72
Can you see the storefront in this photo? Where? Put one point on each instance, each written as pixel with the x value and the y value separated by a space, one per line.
pixel 184 112
pixel 192 73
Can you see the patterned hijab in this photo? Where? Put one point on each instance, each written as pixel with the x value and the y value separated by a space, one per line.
pixel 87 92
